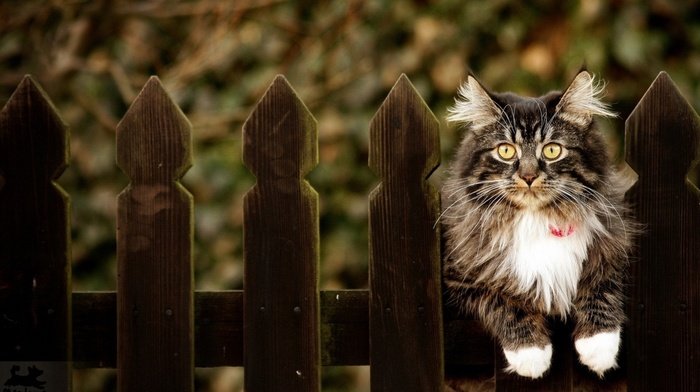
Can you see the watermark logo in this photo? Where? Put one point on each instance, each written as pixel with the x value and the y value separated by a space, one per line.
pixel 31 379
pixel 34 376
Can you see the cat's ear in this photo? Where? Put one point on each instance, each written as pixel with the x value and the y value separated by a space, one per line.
pixel 582 100
pixel 474 106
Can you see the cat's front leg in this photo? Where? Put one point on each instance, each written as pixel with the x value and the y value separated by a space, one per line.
pixel 599 318
pixel 524 335
pixel 522 332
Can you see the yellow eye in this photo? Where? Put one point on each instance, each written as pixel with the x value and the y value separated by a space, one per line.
pixel 506 151
pixel 551 151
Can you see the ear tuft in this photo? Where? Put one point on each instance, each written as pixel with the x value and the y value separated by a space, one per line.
pixel 582 100
pixel 473 106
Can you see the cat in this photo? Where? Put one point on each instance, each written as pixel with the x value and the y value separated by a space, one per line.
pixel 535 224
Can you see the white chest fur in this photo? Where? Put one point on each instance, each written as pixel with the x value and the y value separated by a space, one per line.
pixel 546 257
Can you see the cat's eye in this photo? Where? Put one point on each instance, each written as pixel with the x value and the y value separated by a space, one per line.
pixel 551 151
pixel 506 151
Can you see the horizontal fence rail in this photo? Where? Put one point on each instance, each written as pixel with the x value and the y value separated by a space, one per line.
pixel 155 329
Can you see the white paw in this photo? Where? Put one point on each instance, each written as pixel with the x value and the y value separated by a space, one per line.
pixel 530 361
pixel 599 351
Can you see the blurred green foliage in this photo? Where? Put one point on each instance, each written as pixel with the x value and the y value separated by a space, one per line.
pixel 216 58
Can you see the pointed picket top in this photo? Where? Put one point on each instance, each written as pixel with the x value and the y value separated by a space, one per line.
pixel 281 246
pixel 404 262
pixel 406 134
pixel 272 148
pixel 662 137
pixel 155 318
pixel 154 139
pixel 665 126
pixel 34 236
pixel 30 121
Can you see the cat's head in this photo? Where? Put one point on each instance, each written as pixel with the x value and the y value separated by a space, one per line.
pixel 530 152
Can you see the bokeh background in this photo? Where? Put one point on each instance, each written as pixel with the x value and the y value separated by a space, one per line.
pixel 216 59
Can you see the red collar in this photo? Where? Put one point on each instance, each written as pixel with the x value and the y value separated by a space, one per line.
pixel 561 231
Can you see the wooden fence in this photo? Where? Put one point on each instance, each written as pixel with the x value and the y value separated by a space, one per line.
pixel 155 329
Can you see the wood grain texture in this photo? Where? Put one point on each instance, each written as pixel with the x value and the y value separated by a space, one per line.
pixel 663 336
pixel 34 231
pixel 406 297
pixel 154 247
pixel 281 246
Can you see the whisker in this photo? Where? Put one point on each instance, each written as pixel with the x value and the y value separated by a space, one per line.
pixel 491 186
pixel 601 204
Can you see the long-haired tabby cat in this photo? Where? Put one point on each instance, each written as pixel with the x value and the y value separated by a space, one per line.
pixel 535 223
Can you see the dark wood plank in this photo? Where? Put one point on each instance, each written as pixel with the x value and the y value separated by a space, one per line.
pixel 154 247
pixel 34 236
pixel 466 342
pixel 95 329
pixel 345 327
pixel 219 335
pixel 281 241
pixel 663 333
pixel 406 297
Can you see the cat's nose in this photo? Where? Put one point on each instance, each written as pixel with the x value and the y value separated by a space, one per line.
pixel 528 169
pixel 528 178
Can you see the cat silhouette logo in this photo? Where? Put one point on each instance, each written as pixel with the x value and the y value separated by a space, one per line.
pixel 31 379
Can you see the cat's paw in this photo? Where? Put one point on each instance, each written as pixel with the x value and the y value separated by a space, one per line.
pixel 599 352
pixel 529 361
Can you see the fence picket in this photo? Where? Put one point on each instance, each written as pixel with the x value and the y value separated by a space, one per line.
pixel 281 239
pixel 663 344
pixel 405 289
pixel 154 247
pixel 35 257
